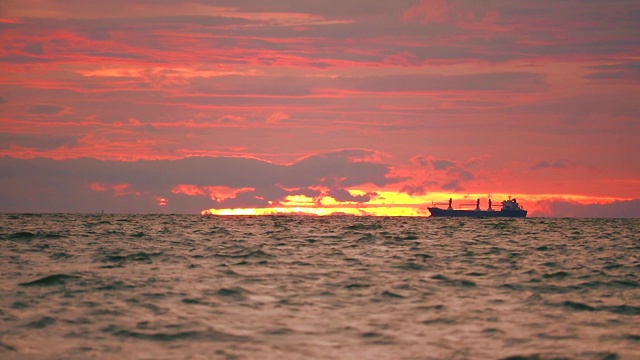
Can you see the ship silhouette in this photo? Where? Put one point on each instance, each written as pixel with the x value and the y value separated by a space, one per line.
pixel 510 208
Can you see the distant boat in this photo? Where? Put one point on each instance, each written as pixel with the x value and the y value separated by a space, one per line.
pixel 510 208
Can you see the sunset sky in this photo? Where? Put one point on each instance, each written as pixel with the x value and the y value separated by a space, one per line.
pixel 352 106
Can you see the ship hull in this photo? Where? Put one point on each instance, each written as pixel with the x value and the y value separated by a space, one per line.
pixel 437 212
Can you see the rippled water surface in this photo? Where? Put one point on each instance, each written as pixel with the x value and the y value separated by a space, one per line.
pixel 188 287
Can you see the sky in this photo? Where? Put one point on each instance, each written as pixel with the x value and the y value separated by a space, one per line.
pixel 365 107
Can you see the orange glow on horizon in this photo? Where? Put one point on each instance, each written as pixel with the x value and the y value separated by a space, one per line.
pixel 399 204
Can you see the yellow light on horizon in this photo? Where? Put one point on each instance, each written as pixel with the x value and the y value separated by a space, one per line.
pixel 314 211
pixel 389 203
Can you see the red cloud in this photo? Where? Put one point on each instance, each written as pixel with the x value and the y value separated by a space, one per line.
pixel 98 187
pixel 216 193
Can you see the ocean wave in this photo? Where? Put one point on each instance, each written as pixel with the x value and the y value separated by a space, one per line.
pixel 170 286
pixel 52 280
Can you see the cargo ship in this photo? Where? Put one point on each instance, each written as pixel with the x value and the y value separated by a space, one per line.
pixel 510 208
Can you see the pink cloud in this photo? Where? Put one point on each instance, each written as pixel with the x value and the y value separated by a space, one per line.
pixel 428 11
pixel 123 190
pixel 277 117
pixel 98 187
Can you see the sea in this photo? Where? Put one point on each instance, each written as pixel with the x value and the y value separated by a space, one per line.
pixel 99 286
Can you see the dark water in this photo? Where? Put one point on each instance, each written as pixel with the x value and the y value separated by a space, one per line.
pixel 186 287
